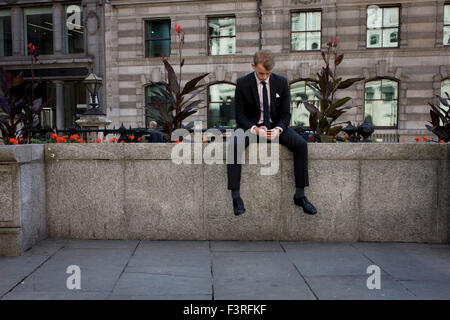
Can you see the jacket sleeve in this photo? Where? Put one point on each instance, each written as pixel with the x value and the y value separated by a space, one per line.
pixel 241 118
pixel 285 117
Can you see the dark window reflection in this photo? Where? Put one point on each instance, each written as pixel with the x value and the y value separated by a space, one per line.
pixel 158 38
pixel 5 33
pixel 39 29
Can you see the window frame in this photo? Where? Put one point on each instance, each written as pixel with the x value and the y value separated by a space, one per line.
pixel 10 18
pixel 445 25
pixel 209 37
pixel 291 32
pixel 146 39
pixel 208 101
pixel 384 6
pixel 24 27
pixel 398 101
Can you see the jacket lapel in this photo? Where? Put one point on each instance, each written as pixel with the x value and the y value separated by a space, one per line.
pixel 254 90
pixel 272 97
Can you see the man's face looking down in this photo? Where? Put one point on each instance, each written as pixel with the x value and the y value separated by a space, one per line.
pixel 261 72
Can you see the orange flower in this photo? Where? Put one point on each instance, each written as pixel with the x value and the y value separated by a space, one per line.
pixel 104 137
pixel 441 141
pixel 131 137
pixel 403 141
pixel 177 141
pixel 425 138
pixel 80 140
pixel 99 141
pixel 54 136
pixel 123 141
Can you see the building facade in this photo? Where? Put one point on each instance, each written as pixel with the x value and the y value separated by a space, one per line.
pixel 70 38
pixel 401 49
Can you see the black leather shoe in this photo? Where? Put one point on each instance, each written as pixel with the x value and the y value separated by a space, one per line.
pixel 305 204
pixel 238 206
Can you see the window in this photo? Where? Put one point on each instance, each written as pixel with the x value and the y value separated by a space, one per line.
pixel 299 92
pixel 445 88
pixel 157 38
pixel 446 39
pixel 74 34
pixel 151 91
pixel 221 110
pixel 381 102
pixel 5 33
pixel 38 23
pixel 306 31
pixel 221 36
pixel 382 27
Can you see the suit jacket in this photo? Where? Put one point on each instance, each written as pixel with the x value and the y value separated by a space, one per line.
pixel 247 106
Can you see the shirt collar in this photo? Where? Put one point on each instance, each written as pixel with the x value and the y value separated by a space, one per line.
pixel 258 82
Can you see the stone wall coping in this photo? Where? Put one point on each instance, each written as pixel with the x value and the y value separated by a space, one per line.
pixel 163 151
pixel 21 153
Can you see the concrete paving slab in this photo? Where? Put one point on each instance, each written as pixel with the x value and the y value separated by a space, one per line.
pixel 70 295
pixel 166 297
pixel 429 290
pixel 326 259
pixel 245 246
pixel 46 247
pixel 257 275
pixel 102 244
pixel 132 284
pixel 355 288
pixel 161 246
pixel 409 261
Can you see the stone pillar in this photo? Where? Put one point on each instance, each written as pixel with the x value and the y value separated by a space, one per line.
pixel 18 45
pixel 58 28
pixel 93 121
pixel 59 104
pixel 22 198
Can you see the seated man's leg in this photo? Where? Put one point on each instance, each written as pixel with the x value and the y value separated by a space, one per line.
pixel 294 142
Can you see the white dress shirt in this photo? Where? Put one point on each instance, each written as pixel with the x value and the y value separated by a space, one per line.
pixel 260 87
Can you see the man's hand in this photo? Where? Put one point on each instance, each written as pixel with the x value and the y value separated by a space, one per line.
pixel 272 134
pixel 261 131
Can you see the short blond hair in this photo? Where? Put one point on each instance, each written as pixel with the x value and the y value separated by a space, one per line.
pixel 266 58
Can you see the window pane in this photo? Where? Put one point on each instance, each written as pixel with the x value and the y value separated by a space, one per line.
pixel 74 29
pixel 313 40
pixel 390 37
pixel 221 105
pixel 222 26
pixel 446 40
pixel 300 91
pixel 373 38
pixel 447 14
pixel 5 33
pixel 390 17
pixel 299 41
pixel 222 46
pixel 298 21
pixel 158 29
pixel 389 90
pixel 445 88
pixel 373 90
pixel 313 21
pixel 383 113
pixel 374 16
pixel 39 29
pixel 158 48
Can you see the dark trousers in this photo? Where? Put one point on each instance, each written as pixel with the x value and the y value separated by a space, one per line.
pixel 289 138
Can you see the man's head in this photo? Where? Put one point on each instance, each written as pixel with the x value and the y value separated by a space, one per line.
pixel 263 63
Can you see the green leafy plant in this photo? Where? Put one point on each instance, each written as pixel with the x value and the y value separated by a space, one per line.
pixel 438 114
pixel 171 104
pixel 326 86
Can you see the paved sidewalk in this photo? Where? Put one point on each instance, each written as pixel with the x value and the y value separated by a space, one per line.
pixel 234 270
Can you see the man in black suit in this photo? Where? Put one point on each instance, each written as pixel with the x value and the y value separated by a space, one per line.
pixel 262 101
